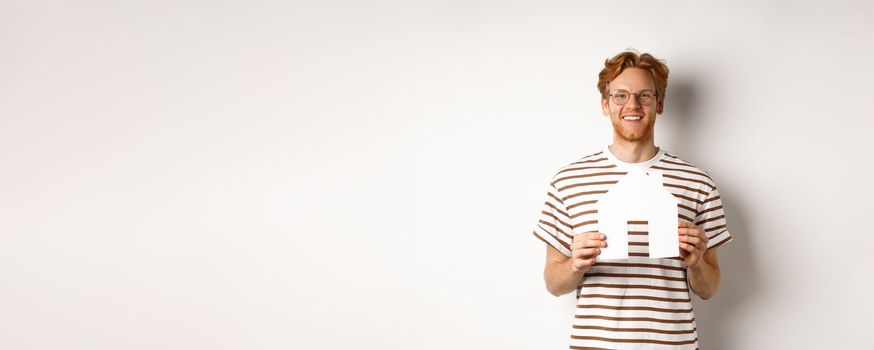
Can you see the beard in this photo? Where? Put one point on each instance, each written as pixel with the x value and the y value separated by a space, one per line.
pixel 629 133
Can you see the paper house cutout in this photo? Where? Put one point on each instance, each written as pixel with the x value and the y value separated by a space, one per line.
pixel 639 196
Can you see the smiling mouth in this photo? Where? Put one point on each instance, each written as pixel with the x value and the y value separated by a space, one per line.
pixel 632 117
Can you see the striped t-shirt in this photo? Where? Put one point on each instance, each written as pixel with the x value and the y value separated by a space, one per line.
pixel 639 302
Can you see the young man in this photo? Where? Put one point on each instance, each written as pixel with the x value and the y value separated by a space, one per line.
pixel 641 302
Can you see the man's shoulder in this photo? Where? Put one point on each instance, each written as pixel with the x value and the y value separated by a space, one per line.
pixel 591 161
pixel 672 162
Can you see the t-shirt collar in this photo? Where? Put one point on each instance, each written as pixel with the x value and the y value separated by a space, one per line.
pixel 642 166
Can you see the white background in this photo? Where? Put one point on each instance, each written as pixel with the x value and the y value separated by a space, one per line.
pixel 353 174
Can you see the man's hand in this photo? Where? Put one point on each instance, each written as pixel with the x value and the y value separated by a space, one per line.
pixel 693 243
pixel 586 247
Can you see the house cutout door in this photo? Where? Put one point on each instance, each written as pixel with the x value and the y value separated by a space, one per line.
pixel 638 238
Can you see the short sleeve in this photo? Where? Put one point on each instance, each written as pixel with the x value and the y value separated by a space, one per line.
pixel 554 226
pixel 711 219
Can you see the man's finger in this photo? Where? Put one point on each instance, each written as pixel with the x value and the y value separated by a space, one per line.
pixel 688 247
pixel 587 243
pixel 588 235
pixel 577 245
pixel 595 235
pixel 689 231
pixel 583 263
pixel 690 239
pixel 684 223
pixel 587 252
pixel 594 243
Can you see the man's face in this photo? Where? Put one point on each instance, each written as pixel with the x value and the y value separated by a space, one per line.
pixel 625 126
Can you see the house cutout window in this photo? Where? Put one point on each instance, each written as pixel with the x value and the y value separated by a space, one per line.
pixel 638 197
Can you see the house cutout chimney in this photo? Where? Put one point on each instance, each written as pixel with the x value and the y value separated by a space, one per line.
pixel 638 197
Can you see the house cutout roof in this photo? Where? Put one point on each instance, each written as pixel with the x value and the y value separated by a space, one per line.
pixel 639 196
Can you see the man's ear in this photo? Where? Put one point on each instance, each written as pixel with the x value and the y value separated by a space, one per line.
pixel 660 108
pixel 605 108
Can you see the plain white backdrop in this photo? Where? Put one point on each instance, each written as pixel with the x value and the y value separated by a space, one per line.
pixel 367 174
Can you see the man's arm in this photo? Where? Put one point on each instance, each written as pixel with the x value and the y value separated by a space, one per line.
pixel 704 278
pixel 563 274
pixel 558 273
pixel 701 263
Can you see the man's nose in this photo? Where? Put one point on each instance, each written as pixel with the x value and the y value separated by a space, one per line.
pixel 632 101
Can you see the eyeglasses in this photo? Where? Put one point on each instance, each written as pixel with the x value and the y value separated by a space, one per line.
pixel 645 97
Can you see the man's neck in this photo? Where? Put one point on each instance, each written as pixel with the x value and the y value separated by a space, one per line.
pixel 633 152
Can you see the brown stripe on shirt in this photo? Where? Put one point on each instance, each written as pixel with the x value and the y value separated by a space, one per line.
pixel 687 198
pixel 634 308
pixel 565 245
pixel 581 203
pixel 544 212
pixel 720 243
pixel 687 188
pixel 678 163
pixel 562 212
pixel 584 194
pixel 595 183
pixel 556 198
pixel 635 275
pixel 637 319
pixel 624 264
pixel 635 297
pixel 644 330
pixel 587 212
pixel 712 199
pixel 547 223
pixel 580 168
pixel 588 175
pixel 711 229
pixel 645 341
pixel 702 222
pixel 590 160
pixel 638 286
pixel 584 223
pixel 709 210
pixel 682 171
pixel 675 177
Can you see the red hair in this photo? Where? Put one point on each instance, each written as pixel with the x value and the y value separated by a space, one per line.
pixel 632 59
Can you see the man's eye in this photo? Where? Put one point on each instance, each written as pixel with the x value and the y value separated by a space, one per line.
pixel 620 95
